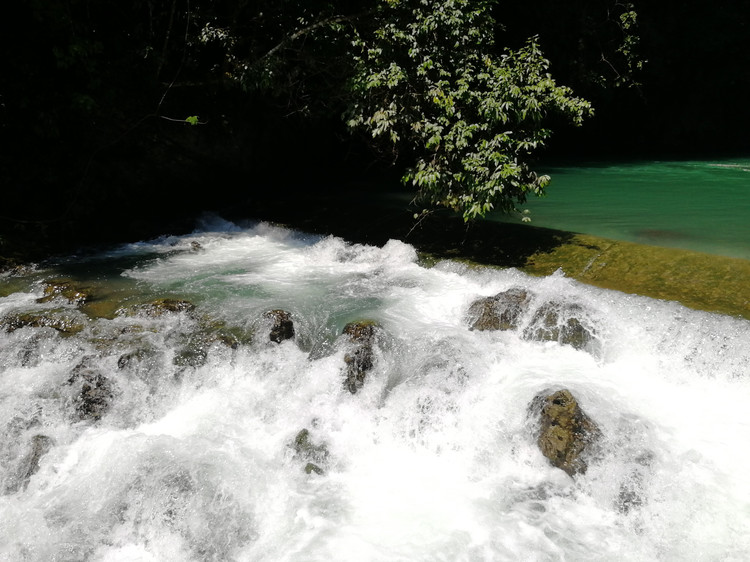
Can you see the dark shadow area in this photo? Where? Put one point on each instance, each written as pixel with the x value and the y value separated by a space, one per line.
pixel 366 218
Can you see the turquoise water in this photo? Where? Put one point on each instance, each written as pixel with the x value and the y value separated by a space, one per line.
pixel 695 205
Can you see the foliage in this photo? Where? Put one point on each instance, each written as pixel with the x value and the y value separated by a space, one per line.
pixel 427 79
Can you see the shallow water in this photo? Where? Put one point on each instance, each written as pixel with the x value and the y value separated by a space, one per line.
pixel 694 205
pixel 433 459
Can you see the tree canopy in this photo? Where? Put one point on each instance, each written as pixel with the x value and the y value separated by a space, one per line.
pixel 439 86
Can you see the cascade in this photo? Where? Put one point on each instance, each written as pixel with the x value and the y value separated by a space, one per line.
pixel 248 392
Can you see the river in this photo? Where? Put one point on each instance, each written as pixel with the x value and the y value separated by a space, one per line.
pixel 701 205
pixel 133 433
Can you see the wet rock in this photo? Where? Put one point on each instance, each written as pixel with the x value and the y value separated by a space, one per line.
pixel 65 289
pixel 561 323
pixel 566 434
pixel 158 308
pixel 282 327
pixel 93 399
pixel 362 358
pixel 315 454
pixel 194 351
pixel 64 324
pixel 501 312
pixel 29 464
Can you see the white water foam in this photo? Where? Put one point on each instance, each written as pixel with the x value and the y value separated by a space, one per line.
pixel 433 459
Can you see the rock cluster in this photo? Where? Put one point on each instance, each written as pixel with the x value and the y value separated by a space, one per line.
pixel 552 321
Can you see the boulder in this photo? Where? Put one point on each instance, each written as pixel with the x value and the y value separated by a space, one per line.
pixel 566 434
pixel 361 358
pixel 501 312
pixel 306 450
pixel 282 327
pixel 561 323
pixel 65 289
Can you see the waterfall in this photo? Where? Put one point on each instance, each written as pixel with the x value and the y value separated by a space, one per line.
pixel 157 420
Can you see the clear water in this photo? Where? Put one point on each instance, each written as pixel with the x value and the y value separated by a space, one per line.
pixel 434 459
pixel 694 205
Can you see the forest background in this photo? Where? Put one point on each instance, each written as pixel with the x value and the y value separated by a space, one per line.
pixel 120 121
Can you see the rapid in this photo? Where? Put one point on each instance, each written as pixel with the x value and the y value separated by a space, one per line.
pixel 189 449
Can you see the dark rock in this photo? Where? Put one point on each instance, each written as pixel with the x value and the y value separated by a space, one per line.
pixel 305 449
pixel 566 434
pixel 362 358
pixel 560 323
pixel 501 312
pixel 64 324
pixel 65 289
pixel 282 327
pixel 93 399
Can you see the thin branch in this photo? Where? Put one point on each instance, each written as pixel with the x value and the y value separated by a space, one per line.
pixel 305 30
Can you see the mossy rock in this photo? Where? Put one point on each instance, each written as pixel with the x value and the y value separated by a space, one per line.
pixel 65 289
pixel 501 312
pixel 66 325
pixel 566 434
pixel 560 323
pixel 282 327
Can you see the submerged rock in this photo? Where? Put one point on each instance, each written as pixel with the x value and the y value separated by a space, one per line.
pixel 501 312
pixel 157 308
pixel 65 289
pixel 282 327
pixel 362 358
pixel 65 324
pixel 561 323
pixel 566 434
pixel 315 454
